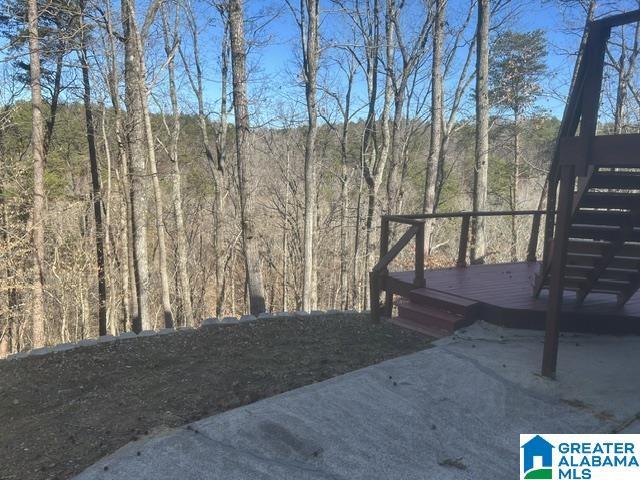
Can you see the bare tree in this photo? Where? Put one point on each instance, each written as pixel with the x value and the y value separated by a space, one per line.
pixel 365 21
pixel 95 174
pixel 216 158
pixel 368 20
pixel 412 53
pixel 170 44
pixel 343 102
pixel 9 331
pixel 155 180
pixel 243 131
pixel 38 154
pixel 307 20
pixel 481 169
pixel 111 78
pixel 463 78
pixel 624 66
pixel 435 140
pixel 135 90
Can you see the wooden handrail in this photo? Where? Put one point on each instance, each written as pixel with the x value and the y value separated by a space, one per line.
pixel 495 213
pixel 417 231
pixel 618 20
pixel 403 219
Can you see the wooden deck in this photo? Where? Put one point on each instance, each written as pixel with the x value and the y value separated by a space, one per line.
pixel 505 294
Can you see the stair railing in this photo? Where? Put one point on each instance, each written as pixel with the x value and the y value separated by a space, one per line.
pixel 380 271
pixel 578 152
pixel 577 144
pixel 378 276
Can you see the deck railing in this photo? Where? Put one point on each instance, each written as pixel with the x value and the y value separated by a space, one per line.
pixel 416 231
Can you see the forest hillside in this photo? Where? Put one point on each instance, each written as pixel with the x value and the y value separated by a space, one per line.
pixel 159 167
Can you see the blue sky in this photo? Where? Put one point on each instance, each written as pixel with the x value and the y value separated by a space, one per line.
pixel 275 62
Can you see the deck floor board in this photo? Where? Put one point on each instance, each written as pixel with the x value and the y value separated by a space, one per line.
pixel 508 288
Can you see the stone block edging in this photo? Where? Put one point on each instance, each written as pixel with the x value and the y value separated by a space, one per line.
pixel 206 323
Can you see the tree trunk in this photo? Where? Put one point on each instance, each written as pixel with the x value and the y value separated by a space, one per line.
pixel 394 177
pixel 138 150
pixel 344 198
pixel 514 185
pixel 38 154
pixel 310 50
pixel 621 95
pixel 242 126
pixel 435 142
pixel 480 173
pixel 130 285
pixel 129 288
pixel 218 173
pixel 111 246
pixel 626 69
pixel 157 190
pixel 379 149
pixel 181 237
pixel 6 330
pixel 95 179
pixel 356 274
pixel 285 239
pixel 55 97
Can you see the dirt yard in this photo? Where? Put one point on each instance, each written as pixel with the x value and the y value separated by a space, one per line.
pixel 60 413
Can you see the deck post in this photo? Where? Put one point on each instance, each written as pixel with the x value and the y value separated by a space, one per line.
pixel 374 290
pixel 556 286
pixel 533 240
pixel 419 280
pixel 387 310
pixel 464 241
pixel 384 236
pixel 384 249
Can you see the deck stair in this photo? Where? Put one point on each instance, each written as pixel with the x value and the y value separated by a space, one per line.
pixel 603 251
pixel 435 313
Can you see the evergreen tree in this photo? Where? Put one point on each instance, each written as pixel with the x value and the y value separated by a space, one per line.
pixel 515 73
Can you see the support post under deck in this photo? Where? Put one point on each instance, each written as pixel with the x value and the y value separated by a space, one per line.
pixel 559 255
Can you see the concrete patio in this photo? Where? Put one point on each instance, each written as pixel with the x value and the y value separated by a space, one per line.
pixel 451 412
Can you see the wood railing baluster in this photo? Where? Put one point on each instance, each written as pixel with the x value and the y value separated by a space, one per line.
pixel 384 249
pixel 384 237
pixel 533 239
pixel 374 291
pixel 464 241
pixel 419 280
pixel 550 224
